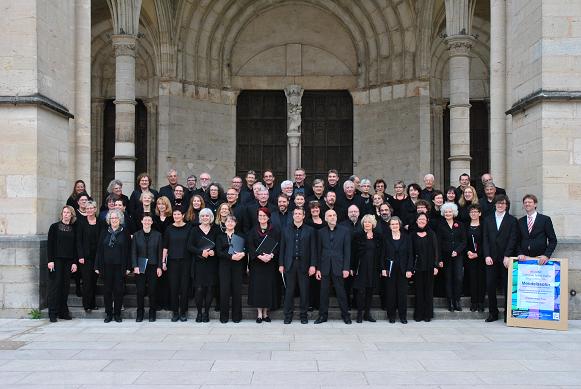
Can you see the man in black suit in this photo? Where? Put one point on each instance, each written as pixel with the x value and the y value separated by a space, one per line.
pixel 537 235
pixel 251 217
pixel 281 217
pixel 297 263
pixel 484 179
pixel 167 191
pixel 300 185
pixel 499 244
pixel 333 263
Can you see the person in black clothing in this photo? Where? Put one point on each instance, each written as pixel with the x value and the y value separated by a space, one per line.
pixel 350 198
pixel 128 222
pixel 333 184
pixel 408 209
pixel 179 199
pixel 214 197
pixel 485 179
pixel 297 263
pixel 369 253
pixel 236 208
pixel 300 185
pixel 196 204
pixel 147 243
pixel 397 268
pixel 451 196
pixel 426 264
pixel 88 233
pixel 270 184
pixel 146 205
pixel 475 260
pixel 281 217
pixel 468 198
pixel 314 218
pixel 78 188
pixel 115 187
pixel 537 235
pixel 62 260
pixel 318 192
pixel 80 210
pixel 168 190
pixel 463 182
pixel 162 218
pixel 251 219
pixel 262 283
pixel 428 192
pixel 486 202
pixel 452 239
pixel 113 262
pixel 499 235
pixel 143 185
pixel 331 203
pixel 202 246
pixel 398 199
pixel 366 197
pixel 231 268
pixel 177 262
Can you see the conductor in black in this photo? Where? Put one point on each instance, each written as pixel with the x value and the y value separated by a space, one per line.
pixel 333 263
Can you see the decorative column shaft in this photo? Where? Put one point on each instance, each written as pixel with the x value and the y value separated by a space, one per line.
pixel 438 143
pixel 459 68
pixel 97 114
pixel 294 94
pixel 124 46
pixel 83 91
pixel 151 137
pixel 498 91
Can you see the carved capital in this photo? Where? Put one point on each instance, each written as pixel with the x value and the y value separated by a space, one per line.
pixel 124 45
pixel 460 45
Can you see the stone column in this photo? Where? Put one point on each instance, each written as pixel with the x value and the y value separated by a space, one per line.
pixel 498 91
pixel 438 143
pixel 124 46
pixel 97 112
pixel 83 91
pixel 459 68
pixel 151 105
pixel 294 94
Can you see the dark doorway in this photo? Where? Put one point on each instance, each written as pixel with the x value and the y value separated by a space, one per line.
pixel 109 141
pixel 261 141
pixel 327 133
pixel 479 142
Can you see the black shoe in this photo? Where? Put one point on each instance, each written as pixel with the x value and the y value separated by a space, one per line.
pixel 428 319
pixel 95 308
pixel 139 317
pixel 259 320
pixel 304 320
pixel 392 320
pixel 311 309
pixel 199 317
pixel 78 290
pixel 108 319
pixel 491 318
pixel 359 317
pixel 403 321
pixel 152 315
pixel 53 319
pixel 88 310
pixel 175 317
pixel 457 306
pixel 223 321
pixel 266 319
pixel 205 317
pixel 184 317
pixel 320 319
pixel 369 318
pixel 480 307
pixel 118 318
pixel 450 307
pixel 287 321
pixel 472 307
pixel 65 316
pixel 236 321
pixel 347 320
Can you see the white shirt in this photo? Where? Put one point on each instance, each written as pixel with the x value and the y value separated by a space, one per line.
pixel 499 217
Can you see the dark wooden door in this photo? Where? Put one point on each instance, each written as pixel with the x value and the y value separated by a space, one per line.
pixel 327 133
pixel 479 142
pixel 261 141
pixel 109 141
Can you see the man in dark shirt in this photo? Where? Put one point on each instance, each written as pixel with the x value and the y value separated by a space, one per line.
pixel 428 191
pixel 484 179
pixel 297 263
pixel 300 185
pixel 270 183
pixel 172 179
pixel 330 203
pixel 350 198
pixel 318 192
pixel 281 217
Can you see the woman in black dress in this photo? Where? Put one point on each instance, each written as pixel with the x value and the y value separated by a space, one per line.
pixel 262 288
pixel 162 218
pixel 146 243
pixel 314 219
pixel 197 203
pixel 408 209
pixel 475 264
pixel 452 239
pixel 202 245
pixel 215 197
pixel 397 268
pixel 78 188
pixel 143 185
pixel 177 262
pixel 145 205
pixel 113 262
pixel 88 233
pixel 426 264
pixel 468 198
pixel 231 268
pixel 369 252
pixel 62 260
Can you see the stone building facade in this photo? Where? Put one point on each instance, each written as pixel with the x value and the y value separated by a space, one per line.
pixel 106 88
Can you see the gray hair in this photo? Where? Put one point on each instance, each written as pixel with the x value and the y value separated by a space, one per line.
pixel 170 171
pixel 365 181
pixel 317 181
pixel 369 218
pixel 207 211
pixel 286 183
pixel 146 193
pixel 396 219
pixel 119 215
pixel 489 184
pixel 451 206
pixel 91 203
pixel 429 175
pixel 112 183
pixel 347 183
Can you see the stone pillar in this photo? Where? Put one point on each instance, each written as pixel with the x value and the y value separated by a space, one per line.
pixel 97 115
pixel 124 46
pixel 438 144
pixel 459 68
pixel 152 138
pixel 498 91
pixel 83 91
pixel 294 94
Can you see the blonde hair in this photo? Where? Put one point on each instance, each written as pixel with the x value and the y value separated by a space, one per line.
pixel 218 219
pixel 72 211
pixel 369 218
pixel 462 201
pixel 166 202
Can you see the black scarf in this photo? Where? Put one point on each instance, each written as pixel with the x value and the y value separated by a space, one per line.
pixel 114 235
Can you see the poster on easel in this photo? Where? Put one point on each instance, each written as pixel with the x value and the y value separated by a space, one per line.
pixel 537 295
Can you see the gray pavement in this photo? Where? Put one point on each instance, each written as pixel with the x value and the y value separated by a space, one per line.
pixel 441 354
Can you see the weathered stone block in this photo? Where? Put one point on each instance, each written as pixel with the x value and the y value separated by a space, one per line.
pixel 21 295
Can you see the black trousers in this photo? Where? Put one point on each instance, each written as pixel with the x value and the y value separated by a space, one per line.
pixel 495 273
pixel 204 296
pixel 59 281
pixel 314 293
pixel 453 269
pixel 363 297
pixel 293 276
pixel 143 282
pixel 230 273
pixel 476 269
pixel 163 297
pixel 89 283
pixel 113 288
pixel 178 272
pixel 396 295
pixel 339 291
pixel 424 295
